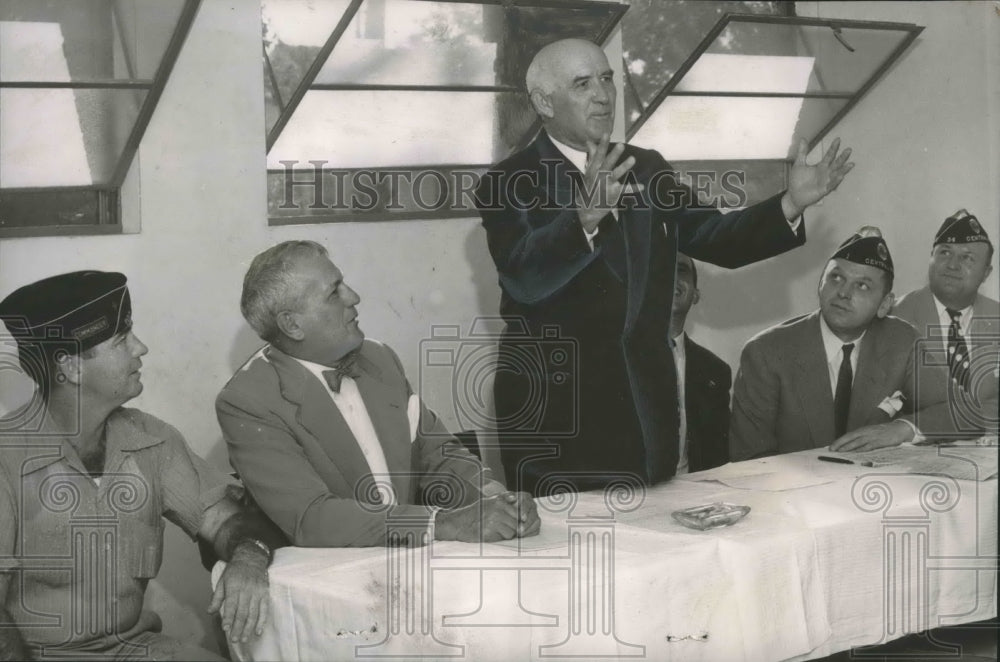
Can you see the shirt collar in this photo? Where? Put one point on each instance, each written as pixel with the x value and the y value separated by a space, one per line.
pixel 679 341
pixel 574 156
pixel 121 434
pixel 963 318
pixel 316 369
pixel 833 345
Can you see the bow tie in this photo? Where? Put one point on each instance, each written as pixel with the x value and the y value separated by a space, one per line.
pixel 348 367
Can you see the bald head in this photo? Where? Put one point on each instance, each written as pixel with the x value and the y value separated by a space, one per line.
pixel 572 89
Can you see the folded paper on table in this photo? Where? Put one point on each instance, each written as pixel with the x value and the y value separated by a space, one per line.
pixel 959 462
pixel 777 481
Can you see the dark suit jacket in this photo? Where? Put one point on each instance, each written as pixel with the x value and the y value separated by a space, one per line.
pixel 968 416
pixel 707 380
pixel 782 400
pixel 607 409
pixel 297 456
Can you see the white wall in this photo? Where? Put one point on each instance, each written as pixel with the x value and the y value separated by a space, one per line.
pixel 203 205
pixel 924 141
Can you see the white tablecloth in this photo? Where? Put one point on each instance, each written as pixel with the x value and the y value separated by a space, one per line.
pixel 831 556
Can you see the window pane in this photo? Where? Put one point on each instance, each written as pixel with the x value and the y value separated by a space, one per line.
pixel 414 43
pixel 713 128
pixel 836 69
pixel 748 73
pixel 353 129
pixel 46 208
pixel 294 33
pixel 63 137
pixel 84 39
pixel 650 59
pixel 732 184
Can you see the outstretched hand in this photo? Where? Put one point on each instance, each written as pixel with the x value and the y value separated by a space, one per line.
pixel 808 184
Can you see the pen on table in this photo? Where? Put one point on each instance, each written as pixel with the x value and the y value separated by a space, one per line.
pixel 838 460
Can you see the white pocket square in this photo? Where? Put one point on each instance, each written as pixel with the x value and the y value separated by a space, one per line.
pixel 892 404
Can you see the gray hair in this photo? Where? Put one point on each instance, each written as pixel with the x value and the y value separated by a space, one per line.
pixel 269 288
pixel 538 76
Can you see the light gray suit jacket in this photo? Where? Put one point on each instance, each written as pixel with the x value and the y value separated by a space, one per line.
pixel 967 416
pixel 297 456
pixel 782 400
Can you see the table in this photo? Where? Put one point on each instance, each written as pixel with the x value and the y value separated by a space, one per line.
pixel 830 557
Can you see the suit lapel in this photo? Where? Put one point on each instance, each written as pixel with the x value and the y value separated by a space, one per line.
pixel 388 416
pixel 637 225
pixel 319 416
pixel 984 330
pixel 870 380
pixel 812 381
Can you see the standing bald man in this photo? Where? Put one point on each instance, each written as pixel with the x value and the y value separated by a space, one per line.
pixel 585 238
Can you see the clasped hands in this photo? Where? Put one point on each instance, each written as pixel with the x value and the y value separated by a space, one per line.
pixel 495 517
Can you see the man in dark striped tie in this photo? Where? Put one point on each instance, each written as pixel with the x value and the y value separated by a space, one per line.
pixel 959 321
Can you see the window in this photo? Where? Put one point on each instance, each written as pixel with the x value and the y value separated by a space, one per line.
pixel 755 84
pixel 390 109
pixel 78 84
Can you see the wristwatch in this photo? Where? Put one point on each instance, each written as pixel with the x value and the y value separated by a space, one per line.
pixel 263 546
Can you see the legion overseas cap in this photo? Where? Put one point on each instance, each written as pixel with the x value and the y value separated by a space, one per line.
pixel 86 307
pixel 961 228
pixel 866 246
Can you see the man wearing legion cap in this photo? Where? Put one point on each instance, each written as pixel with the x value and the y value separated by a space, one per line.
pixel 841 376
pixel 85 483
pixel 952 315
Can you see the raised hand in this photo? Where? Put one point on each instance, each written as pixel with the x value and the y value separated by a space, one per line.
pixel 808 184
pixel 602 185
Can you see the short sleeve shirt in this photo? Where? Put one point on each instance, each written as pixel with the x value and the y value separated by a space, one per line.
pixel 84 550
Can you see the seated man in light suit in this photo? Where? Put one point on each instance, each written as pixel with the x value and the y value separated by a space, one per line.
pixel 951 313
pixel 703 383
pixel 837 376
pixel 327 434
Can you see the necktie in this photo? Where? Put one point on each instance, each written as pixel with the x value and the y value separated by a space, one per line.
pixel 842 399
pixel 348 367
pixel 958 351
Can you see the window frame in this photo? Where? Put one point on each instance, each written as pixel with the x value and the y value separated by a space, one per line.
pixel 277 178
pixel 108 197
pixel 912 30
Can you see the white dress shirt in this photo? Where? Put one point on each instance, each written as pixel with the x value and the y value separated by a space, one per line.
pixel 680 360
pixel 964 321
pixel 352 408
pixel 833 346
